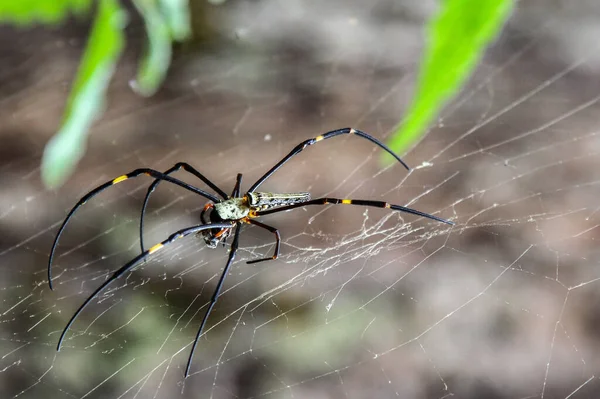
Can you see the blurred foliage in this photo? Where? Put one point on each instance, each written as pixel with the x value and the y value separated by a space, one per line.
pixel 26 12
pixel 457 37
pixel 86 100
pixel 166 21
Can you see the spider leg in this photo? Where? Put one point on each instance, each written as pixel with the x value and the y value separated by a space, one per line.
pixel 236 188
pixel 335 201
pixel 215 296
pixel 208 206
pixel 188 168
pixel 277 241
pixel 134 262
pixel 143 171
pixel 328 135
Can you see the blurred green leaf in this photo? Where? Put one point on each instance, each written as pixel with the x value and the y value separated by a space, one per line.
pixel 177 17
pixel 457 38
pixel 157 56
pixel 86 99
pixel 166 20
pixel 26 12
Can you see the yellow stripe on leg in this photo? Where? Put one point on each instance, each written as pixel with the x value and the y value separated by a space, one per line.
pixel 346 201
pixel 155 248
pixel 319 138
pixel 120 179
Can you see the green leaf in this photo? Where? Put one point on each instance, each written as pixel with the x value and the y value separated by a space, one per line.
pixel 457 38
pixel 86 100
pixel 26 12
pixel 157 58
pixel 177 17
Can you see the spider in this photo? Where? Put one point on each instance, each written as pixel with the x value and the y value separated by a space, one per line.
pixel 223 215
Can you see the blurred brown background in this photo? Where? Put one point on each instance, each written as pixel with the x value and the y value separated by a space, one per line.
pixel 361 304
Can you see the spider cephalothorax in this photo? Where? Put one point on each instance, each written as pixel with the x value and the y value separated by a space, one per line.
pixel 225 214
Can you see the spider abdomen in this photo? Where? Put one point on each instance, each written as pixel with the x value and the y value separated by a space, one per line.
pixel 262 201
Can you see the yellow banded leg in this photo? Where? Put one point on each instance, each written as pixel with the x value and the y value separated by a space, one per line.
pixel 134 262
pixel 300 147
pixel 369 203
pixel 137 172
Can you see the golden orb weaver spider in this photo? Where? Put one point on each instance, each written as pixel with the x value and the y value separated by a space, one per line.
pixel 225 214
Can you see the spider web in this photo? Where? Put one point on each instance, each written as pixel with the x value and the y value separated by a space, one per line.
pixel 362 302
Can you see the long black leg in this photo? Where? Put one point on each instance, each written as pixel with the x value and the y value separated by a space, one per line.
pixel 236 188
pixel 188 168
pixel 143 171
pixel 328 135
pixel 334 201
pixel 277 241
pixel 132 263
pixel 215 296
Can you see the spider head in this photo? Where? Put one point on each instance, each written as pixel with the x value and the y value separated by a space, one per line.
pixel 213 237
pixel 212 240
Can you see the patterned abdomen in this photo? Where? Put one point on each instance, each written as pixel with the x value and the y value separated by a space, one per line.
pixel 262 201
